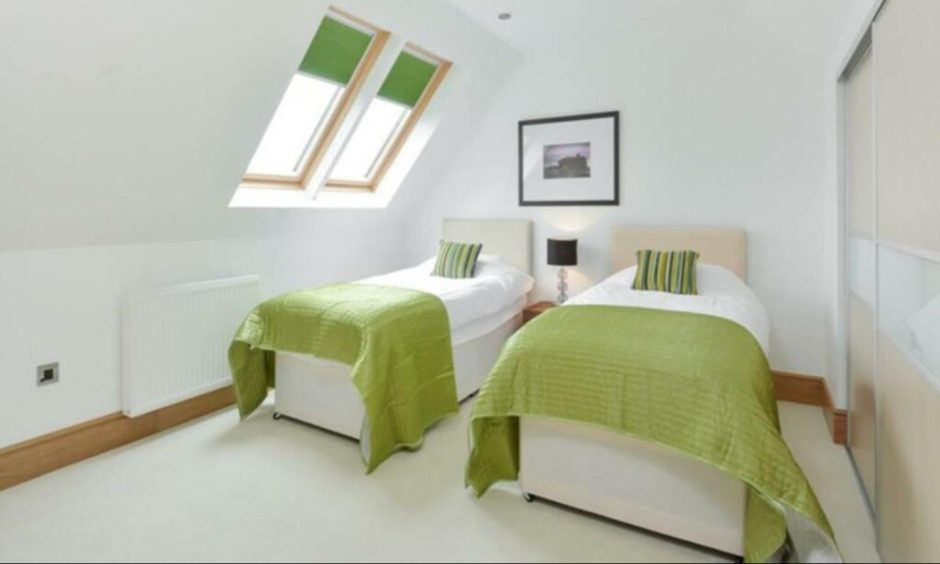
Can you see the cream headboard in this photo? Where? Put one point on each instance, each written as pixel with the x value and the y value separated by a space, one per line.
pixel 508 238
pixel 724 247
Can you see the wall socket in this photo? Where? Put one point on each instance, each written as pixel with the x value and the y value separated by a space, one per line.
pixel 47 374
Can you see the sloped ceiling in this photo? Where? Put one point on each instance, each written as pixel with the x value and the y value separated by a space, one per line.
pixel 132 122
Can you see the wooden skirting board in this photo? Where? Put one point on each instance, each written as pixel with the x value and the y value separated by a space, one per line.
pixel 42 455
pixel 25 461
pixel 813 390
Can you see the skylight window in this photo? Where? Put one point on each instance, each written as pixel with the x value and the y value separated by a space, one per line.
pixel 372 139
pixel 296 126
pixel 390 117
pixel 316 101
pixel 325 126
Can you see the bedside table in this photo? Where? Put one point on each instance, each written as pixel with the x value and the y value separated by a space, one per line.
pixel 535 310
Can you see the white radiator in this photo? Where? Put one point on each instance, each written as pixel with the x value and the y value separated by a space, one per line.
pixel 175 340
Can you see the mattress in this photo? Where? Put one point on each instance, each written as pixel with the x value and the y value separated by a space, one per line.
pixel 475 306
pixel 721 294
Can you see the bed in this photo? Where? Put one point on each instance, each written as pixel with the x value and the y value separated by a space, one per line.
pixel 580 461
pixel 483 313
pixel 553 453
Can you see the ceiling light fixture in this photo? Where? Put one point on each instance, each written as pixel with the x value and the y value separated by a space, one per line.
pixel 504 16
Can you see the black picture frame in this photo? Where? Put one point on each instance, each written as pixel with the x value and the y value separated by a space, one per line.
pixel 580 117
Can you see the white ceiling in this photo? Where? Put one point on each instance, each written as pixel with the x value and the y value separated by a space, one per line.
pixel 537 23
pixel 531 19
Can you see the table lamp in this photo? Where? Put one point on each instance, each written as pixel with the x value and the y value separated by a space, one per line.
pixel 562 252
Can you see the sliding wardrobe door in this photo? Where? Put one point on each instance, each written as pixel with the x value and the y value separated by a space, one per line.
pixel 860 181
pixel 907 93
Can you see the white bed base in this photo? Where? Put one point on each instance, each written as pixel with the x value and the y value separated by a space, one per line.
pixel 629 480
pixel 320 392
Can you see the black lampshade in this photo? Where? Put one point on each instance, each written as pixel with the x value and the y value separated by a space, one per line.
pixel 563 252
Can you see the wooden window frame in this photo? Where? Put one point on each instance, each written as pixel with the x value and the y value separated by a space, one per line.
pixel 417 112
pixel 376 46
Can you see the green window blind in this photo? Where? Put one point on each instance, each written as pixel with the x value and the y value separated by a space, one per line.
pixel 407 80
pixel 335 51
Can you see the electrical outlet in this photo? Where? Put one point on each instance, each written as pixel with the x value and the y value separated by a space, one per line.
pixel 47 374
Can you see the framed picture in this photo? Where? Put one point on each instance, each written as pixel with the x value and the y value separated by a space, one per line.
pixel 570 161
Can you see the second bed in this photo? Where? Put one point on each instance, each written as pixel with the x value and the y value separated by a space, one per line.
pixel 654 409
pixel 483 312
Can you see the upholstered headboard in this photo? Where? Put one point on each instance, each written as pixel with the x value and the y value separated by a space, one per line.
pixel 508 238
pixel 724 247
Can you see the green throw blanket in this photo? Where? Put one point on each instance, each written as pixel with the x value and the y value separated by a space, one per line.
pixel 694 383
pixel 396 341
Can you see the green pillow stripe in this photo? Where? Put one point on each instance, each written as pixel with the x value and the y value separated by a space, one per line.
pixel 457 260
pixel 666 271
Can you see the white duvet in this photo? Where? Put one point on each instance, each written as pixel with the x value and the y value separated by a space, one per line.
pixel 475 305
pixel 721 293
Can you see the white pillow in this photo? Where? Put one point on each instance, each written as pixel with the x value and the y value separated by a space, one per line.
pixel 714 279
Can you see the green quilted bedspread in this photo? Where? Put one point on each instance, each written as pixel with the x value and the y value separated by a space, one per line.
pixel 396 341
pixel 697 384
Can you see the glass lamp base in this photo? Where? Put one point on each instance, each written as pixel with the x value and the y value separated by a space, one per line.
pixel 562 285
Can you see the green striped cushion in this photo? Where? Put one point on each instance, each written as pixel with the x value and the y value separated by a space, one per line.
pixel 457 260
pixel 666 271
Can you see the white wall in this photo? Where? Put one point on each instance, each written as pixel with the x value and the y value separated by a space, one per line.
pixel 126 126
pixel 63 305
pixel 727 119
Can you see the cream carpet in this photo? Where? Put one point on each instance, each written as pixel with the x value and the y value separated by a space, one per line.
pixel 216 490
